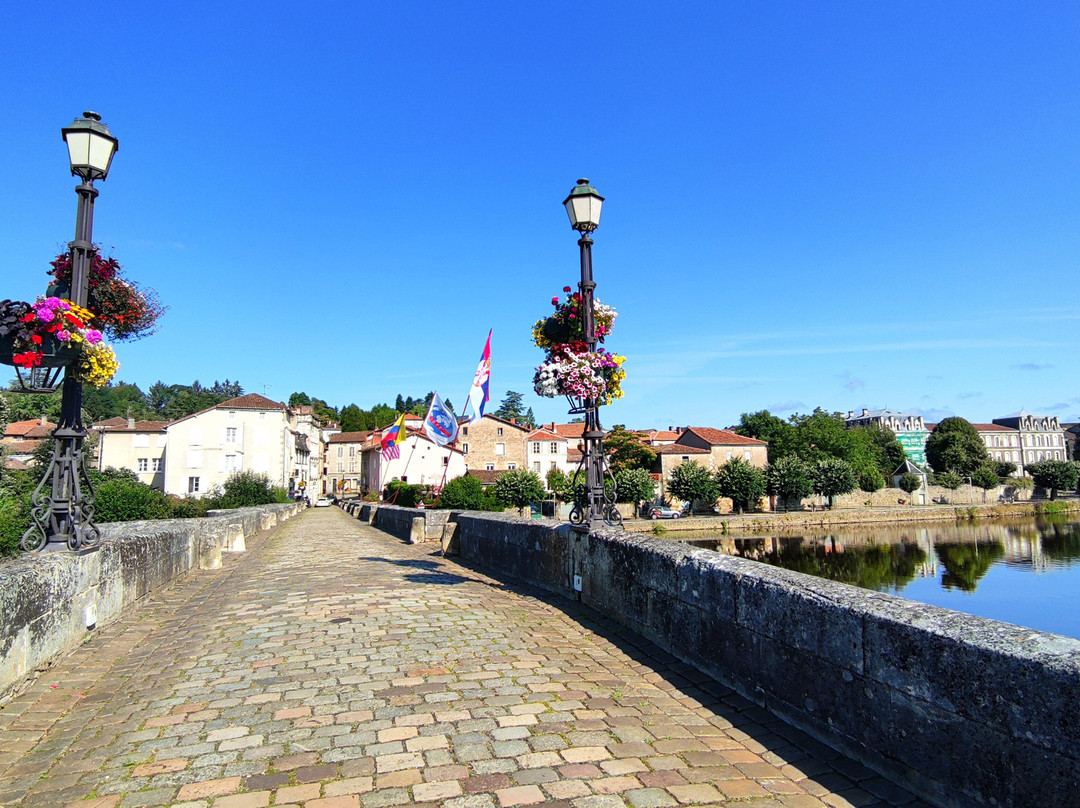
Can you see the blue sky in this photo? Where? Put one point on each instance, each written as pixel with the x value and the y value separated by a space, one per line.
pixel 842 205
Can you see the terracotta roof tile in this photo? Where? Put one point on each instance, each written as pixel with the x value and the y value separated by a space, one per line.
pixel 19 428
pixel 351 437
pixel 543 434
pixel 678 449
pixel 566 430
pixel 993 428
pixel 486 476
pixel 251 401
pixel 723 437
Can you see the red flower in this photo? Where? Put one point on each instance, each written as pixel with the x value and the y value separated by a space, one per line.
pixel 27 318
pixel 554 301
pixel 566 288
pixel 35 338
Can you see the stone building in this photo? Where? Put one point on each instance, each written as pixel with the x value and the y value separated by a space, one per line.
pixel 1002 444
pixel 1041 436
pixel 139 446
pixel 493 444
pixel 345 463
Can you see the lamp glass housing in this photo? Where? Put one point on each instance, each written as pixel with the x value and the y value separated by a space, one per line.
pixel 583 207
pixel 91 147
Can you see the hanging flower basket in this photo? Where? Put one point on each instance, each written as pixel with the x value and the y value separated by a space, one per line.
pixel 40 339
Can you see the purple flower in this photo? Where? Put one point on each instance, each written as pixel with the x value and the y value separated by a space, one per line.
pixel 63 336
pixel 93 336
pixel 45 314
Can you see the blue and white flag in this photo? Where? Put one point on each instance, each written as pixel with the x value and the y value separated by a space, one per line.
pixel 441 423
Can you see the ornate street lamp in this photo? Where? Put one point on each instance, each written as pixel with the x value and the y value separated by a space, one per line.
pixel 63 502
pixel 583 207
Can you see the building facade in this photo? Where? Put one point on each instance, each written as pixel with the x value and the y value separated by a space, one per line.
pixel 910 429
pixel 493 444
pixel 1041 436
pixel 545 450
pixel 139 446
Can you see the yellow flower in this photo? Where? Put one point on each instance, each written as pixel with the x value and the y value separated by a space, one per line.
pixel 97 364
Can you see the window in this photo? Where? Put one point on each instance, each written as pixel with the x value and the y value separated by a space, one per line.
pixel 230 462
pixel 144 464
pixel 140 441
pixel 230 434
pixel 490 467
pixel 500 449
pixel 553 465
pixel 161 440
pixel 352 451
pixel 464 448
pixel 464 432
pixel 193 485
pixel 511 466
pixel 536 466
pixel 746 455
pixel 499 433
pixel 194 459
pixel 729 455
pixel 352 465
pixel 341 465
pixel 536 447
pixel 341 451
pixel 156 465
pixel 446 461
pixel 553 447
pixel 262 416
pixel 232 414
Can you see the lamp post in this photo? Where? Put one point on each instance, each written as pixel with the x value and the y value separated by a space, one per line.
pixel 63 502
pixel 583 207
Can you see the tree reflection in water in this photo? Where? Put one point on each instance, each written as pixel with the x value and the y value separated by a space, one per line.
pixel 1061 540
pixel 965 564
pixel 875 566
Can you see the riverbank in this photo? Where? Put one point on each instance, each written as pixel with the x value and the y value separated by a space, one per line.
pixel 765 522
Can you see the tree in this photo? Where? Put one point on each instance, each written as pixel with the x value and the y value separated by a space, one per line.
pixel 910 483
pixel 299 400
pixel 949 480
pixel 1054 475
pixel 763 425
pixel 626 451
pixel 832 477
pixel 742 483
pixel 692 483
pixel 871 480
pixel 955 446
pixel 467 493
pixel 518 488
pixel 558 483
pixel 1003 468
pixel 352 419
pixel 634 485
pixel 789 478
pixel 985 477
pixel 512 406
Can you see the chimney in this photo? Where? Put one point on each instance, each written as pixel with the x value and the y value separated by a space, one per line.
pixel 513 420
pixel 131 422
pixel 865 411
pixel 850 414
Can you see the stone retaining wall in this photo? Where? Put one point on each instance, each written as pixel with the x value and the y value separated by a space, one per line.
pixel 967 711
pixel 49 602
pixel 415 525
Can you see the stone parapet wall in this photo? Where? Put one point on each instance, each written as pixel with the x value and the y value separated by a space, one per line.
pixel 967 711
pixel 49 602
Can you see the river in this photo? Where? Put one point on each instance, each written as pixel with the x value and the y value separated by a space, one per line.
pixel 1021 571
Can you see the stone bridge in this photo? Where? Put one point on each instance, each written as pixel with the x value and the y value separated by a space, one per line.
pixel 332 665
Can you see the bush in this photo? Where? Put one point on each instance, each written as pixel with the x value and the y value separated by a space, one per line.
pixel 467 494
pixel 243 489
pixel 910 483
pixel 14 521
pixel 871 480
pixel 518 488
pixel 188 507
pixel 403 494
pixel 124 500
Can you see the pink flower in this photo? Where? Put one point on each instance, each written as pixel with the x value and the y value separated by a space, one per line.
pixel 554 301
pixel 566 288
pixel 93 336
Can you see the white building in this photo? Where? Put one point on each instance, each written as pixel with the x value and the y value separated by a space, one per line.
pixel 545 450
pixel 137 445
pixel 421 462
pixel 250 432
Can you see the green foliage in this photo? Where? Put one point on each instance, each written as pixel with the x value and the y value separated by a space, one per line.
pixel 832 477
pixel 124 500
pixel 558 483
pixel 14 520
pixel 871 480
pixel 513 406
pixel 353 420
pixel 634 485
pixel 742 483
pixel 518 488
pixel 299 400
pixel 401 493
pixel 21 407
pixel 467 494
pixel 763 425
pixel 910 483
pixel 626 451
pixel 243 489
pixel 1003 468
pixel 878 566
pixel 986 477
pixel 1054 475
pixel 692 483
pixel 955 447
pixel 789 478
pixel 948 480
pixel 188 507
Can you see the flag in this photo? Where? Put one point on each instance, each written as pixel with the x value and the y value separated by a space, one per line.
pixel 394 435
pixel 479 393
pixel 440 423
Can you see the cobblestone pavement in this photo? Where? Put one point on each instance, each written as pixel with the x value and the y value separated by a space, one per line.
pixel 333 666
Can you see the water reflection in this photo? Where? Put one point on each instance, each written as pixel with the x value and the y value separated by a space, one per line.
pixel 890 557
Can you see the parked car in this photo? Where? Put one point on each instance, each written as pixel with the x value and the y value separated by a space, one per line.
pixel 664 512
pixel 322 502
